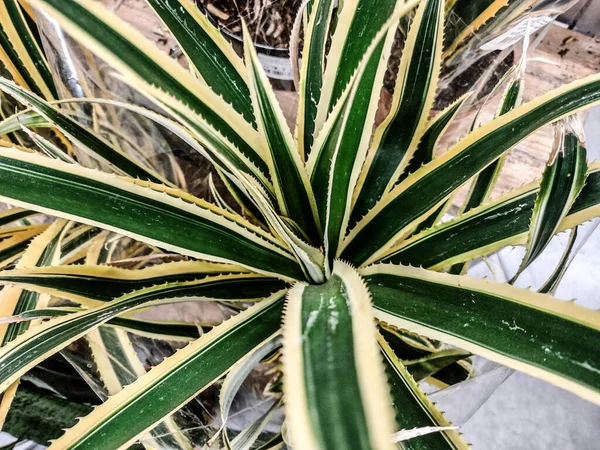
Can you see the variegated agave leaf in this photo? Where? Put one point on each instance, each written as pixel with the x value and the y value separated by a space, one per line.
pixel 311 242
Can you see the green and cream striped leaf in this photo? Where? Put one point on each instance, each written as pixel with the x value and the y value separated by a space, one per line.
pixel 425 153
pixel 434 131
pixel 309 258
pixel 143 211
pixel 21 53
pixel 119 365
pixel 357 24
pixel 396 139
pixel 561 183
pixel 216 196
pixel 293 191
pixel 483 184
pixel 561 268
pixel 92 284
pixel 414 409
pixel 225 134
pixel 342 145
pixel 51 150
pixel 469 17
pixel 11 215
pixel 497 224
pixel 26 118
pixel 44 250
pixel 179 378
pixel 164 330
pixel 187 135
pixel 430 365
pixel 550 339
pixel 495 18
pixel 81 136
pixel 42 341
pixel 409 347
pixel 328 331
pixel 419 195
pixel 77 242
pixel 311 72
pixel 211 56
pixel 14 241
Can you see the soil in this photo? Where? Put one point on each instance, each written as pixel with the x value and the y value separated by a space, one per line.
pixel 270 22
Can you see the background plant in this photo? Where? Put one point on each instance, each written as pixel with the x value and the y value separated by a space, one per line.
pixel 335 229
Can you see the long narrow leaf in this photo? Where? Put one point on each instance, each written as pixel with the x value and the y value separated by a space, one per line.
pixel 397 138
pixel 81 136
pixel 40 342
pixel 164 217
pixel 425 190
pixel 292 187
pixel 225 133
pixel 311 75
pixel 547 338
pixel 25 59
pixel 208 51
pixel 178 379
pixel 502 222
pixel 561 183
pixel 414 409
pixel 328 331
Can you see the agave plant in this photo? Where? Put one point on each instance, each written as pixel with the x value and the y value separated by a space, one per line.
pixel 333 249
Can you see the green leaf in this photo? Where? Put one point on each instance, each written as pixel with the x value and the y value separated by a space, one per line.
pixel 14 241
pixel 414 409
pixel 397 138
pixel 24 59
pixel 311 72
pixel 341 148
pixel 51 150
pixel 561 183
pixel 80 135
pixel 308 257
pixel 164 217
pixel 429 365
pixel 165 330
pixel 409 347
pixel 547 338
pixel 425 190
pixel 485 181
pixel 27 119
pixel 434 131
pixel 210 54
pixel 178 379
pixel 329 331
pixel 292 187
pixel 357 24
pixel 483 185
pixel 561 268
pixel 225 134
pixel 103 283
pixel 497 224
pixel 44 340
pixel 44 250
pixel 14 214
